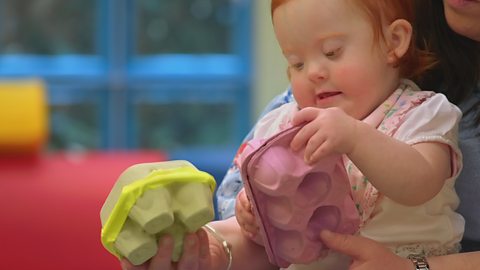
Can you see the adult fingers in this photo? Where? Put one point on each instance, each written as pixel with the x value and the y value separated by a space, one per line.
pixel 204 250
pixel 162 260
pixel 356 247
pixel 190 256
pixel 126 265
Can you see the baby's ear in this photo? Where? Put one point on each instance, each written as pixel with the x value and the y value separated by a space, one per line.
pixel 398 39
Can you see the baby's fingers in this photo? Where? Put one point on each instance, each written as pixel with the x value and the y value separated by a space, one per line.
pixel 316 148
pixel 302 137
pixel 243 199
pixel 244 215
pixel 305 115
pixel 249 226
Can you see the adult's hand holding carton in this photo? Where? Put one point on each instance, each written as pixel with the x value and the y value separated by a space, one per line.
pixel 153 199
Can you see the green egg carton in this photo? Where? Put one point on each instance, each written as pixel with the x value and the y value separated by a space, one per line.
pixel 150 200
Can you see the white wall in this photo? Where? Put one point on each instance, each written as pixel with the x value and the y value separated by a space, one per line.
pixel 270 77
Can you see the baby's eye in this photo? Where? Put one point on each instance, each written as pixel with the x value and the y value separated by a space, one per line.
pixel 298 66
pixel 333 53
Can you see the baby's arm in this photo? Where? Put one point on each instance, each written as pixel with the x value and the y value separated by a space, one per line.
pixel 407 174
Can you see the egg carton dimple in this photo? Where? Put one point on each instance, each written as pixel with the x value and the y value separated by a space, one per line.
pixel 150 200
pixel 293 201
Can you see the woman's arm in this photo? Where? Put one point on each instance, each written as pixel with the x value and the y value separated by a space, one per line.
pixel 246 253
pixel 370 255
pixel 464 261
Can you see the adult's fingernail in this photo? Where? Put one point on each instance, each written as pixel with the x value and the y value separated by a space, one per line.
pixel 191 241
pixel 204 250
pixel 166 241
pixel 123 264
pixel 326 234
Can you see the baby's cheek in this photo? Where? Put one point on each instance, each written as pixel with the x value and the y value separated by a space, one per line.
pixel 351 77
pixel 301 90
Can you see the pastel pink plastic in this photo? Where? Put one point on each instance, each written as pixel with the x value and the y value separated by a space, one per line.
pixel 293 201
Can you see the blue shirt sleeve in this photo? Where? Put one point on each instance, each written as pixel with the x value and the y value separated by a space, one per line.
pixel 468 184
pixel 232 182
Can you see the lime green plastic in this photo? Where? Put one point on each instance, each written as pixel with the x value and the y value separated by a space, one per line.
pixel 163 177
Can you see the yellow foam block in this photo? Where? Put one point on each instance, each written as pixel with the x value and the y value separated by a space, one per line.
pixel 23 115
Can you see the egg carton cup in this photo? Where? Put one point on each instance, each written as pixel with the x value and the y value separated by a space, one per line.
pixel 293 201
pixel 150 200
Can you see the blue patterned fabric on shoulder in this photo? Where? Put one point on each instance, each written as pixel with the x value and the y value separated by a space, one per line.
pixel 232 182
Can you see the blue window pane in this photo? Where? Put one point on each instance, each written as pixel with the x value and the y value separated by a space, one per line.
pixel 47 27
pixel 76 116
pixel 95 54
pixel 74 127
pixel 184 26
pixel 178 125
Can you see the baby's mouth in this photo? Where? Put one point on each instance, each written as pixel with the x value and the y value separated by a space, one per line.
pixel 327 95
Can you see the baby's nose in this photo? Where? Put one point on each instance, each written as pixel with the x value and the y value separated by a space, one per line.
pixel 317 72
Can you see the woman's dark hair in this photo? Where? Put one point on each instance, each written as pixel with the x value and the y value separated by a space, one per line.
pixel 457 72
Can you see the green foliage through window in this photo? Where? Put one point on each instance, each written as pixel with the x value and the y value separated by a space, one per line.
pixel 184 26
pixel 47 27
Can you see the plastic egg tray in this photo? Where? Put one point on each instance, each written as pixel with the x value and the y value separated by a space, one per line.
pixel 150 200
pixel 293 201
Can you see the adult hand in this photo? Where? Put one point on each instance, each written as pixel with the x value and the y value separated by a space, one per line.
pixel 200 252
pixel 366 254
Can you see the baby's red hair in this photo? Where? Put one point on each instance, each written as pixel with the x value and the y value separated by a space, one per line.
pixel 415 61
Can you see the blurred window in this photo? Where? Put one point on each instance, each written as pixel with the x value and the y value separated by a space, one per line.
pixel 158 74
pixel 184 26
pixel 47 27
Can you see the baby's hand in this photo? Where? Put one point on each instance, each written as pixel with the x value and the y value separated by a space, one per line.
pixel 327 131
pixel 245 217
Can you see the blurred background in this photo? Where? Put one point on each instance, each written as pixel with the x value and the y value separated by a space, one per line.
pixel 175 75
pixel 90 87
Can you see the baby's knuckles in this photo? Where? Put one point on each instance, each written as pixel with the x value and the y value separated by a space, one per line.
pixel 340 129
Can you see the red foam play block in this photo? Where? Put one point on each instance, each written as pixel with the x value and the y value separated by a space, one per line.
pixel 50 208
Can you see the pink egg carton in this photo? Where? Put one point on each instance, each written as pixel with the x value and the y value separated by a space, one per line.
pixel 294 201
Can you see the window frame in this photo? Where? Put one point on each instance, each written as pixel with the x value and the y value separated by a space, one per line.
pixel 115 69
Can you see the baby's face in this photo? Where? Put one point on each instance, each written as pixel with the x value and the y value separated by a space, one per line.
pixel 333 58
